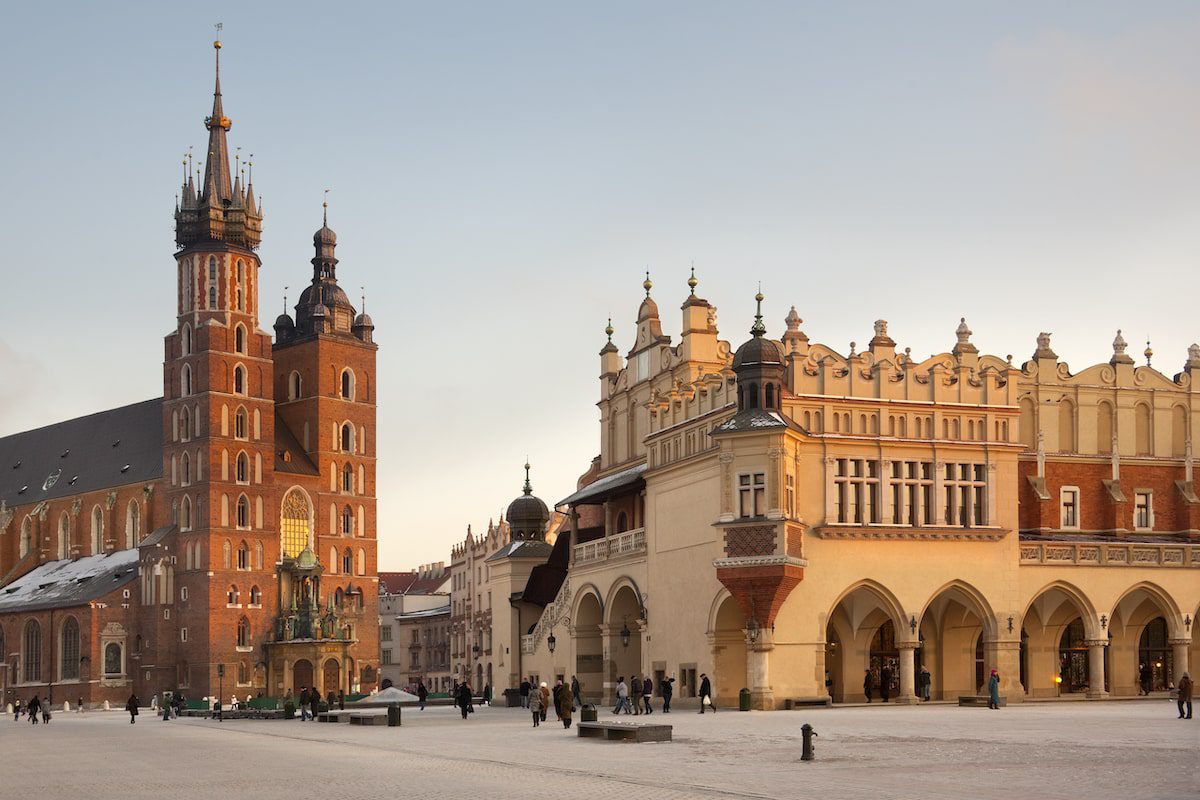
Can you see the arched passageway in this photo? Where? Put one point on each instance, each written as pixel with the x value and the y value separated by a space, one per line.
pixel 953 631
pixel 729 653
pixel 589 648
pixel 1141 651
pixel 625 635
pixel 1061 652
pixel 860 637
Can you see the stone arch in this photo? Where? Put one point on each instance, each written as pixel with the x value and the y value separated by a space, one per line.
pixel 891 605
pixel 1047 618
pixel 862 613
pixel 1082 603
pixel 620 583
pixel 583 592
pixel 1132 614
pixel 954 623
pixel 975 600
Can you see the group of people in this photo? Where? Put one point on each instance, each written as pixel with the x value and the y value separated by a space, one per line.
pixel 34 708
pixel 562 699
pixel 310 701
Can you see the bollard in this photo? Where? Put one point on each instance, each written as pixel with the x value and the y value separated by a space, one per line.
pixel 806 753
pixel 393 715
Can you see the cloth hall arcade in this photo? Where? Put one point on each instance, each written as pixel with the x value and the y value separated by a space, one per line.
pixel 222 534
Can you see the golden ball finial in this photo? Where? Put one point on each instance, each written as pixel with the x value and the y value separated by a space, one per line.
pixel 647 284
pixel 759 297
pixel 608 329
pixel 217 44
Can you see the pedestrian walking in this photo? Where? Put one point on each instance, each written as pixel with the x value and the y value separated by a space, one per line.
pixel 314 703
pixel 566 704
pixel 706 694
pixel 341 700
pixel 926 682
pixel 45 703
pixel 667 689
pixel 635 693
pixel 464 698
pixel 622 696
pixel 422 695
pixel 79 706
pixel 556 698
pixel 885 683
pixel 868 684
pixel 526 686
pixel 1144 675
pixel 533 701
pixel 647 693
pixel 17 709
pixel 131 705
pixel 994 690
pixel 545 690
pixel 303 703
pixel 487 694
pixel 1184 697
pixel 576 692
pixel 32 709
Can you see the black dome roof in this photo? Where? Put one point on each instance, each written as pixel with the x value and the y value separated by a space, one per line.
pixel 758 351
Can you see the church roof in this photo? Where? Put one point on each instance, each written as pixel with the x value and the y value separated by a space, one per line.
pixel 67 583
pixel 296 461
pixel 110 448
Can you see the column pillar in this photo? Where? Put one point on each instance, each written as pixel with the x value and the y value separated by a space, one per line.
pixel 609 639
pixel 1004 655
pixel 1179 652
pixel 758 670
pixel 1096 689
pixel 908 692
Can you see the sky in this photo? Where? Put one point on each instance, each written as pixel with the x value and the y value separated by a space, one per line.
pixel 501 175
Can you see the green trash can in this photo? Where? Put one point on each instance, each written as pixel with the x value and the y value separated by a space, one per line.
pixel 394 715
pixel 587 713
pixel 744 700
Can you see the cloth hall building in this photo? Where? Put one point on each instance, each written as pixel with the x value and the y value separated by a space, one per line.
pixel 787 517
pixel 223 534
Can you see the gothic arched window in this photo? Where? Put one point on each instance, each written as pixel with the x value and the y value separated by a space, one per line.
pixel 132 523
pixel 348 384
pixel 64 536
pixel 294 523
pixel 69 664
pixel 239 339
pixel 26 536
pixel 243 472
pixel 347 521
pixel 243 632
pixel 295 386
pixel 243 516
pixel 239 379
pixel 32 652
pixel 241 425
pixel 97 530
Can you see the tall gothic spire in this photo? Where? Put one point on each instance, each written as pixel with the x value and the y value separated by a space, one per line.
pixel 217 182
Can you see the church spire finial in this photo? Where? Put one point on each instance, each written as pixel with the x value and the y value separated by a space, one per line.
pixel 325 210
pixel 758 329
pixel 647 284
pixel 528 486
pixel 692 282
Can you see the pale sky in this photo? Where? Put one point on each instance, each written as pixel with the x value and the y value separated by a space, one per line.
pixel 502 174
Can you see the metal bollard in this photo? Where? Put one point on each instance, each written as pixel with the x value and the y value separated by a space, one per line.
pixel 808 733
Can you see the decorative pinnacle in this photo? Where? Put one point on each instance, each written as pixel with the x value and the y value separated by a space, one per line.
pixel 285 299
pixel 692 282
pixel 609 330
pixel 528 485
pixel 647 284
pixel 758 329
pixel 1148 353
pixel 325 210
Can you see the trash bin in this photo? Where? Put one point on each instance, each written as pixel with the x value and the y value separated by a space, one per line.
pixel 587 713
pixel 512 698
pixel 394 715
pixel 744 700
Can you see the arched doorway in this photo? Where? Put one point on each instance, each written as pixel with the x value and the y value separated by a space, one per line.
pixel 331 681
pixel 729 652
pixel 860 637
pixel 1055 638
pixel 885 659
pixel 1073 672
pixel 589 647
pixel 952 635
pixel 1154 651
pixel 302 674
pixel 625 639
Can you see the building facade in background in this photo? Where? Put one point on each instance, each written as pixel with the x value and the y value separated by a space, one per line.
pixel 414 627
pixel 221 537
pixel 789 517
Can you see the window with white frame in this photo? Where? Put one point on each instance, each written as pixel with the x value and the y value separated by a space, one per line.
pixel 912 493
pixel 856 491
pixel 1068 501
pixel 752 494
pixel 1143 510
pixel 386 656
pixel 791 495
pixel 966 494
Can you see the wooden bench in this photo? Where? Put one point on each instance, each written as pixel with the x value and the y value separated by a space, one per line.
pixel 624 731
pixel 979 700
pixel 806 702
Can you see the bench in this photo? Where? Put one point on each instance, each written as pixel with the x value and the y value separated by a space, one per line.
pixel 979 700
pixel 368 719
pixel 806 702
pixel 334 716
pixel 624 731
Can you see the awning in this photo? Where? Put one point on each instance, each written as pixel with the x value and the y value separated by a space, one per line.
pixel 606 487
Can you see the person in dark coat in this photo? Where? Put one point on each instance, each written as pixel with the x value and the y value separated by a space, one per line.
pixel 422 694
pixel 131 705
pixel 566 704
pixel 994 690
pixel 303 703
pixel 667 689
pixel 576 693
pixel 926 681
pixel 314 703
pixel 35 705
pixel 647 693
pixel 525 687
pixel 706 694
pixel 46 711
pixel 487 694
pixel 868 684
pixel 17 709
pixel 635 693
pixel 341 700
pixel 1186 688
pixel 885 683
pixel 464 698
pixel 1144 678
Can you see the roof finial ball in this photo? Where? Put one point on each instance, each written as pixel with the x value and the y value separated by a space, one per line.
pixel 608 329
pixel 1148 353
pixel 647 284
pixel 692 282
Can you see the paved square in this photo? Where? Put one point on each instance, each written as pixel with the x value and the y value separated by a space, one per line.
pixel 1038 750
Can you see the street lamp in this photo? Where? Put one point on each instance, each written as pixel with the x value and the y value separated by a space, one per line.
pixel 753 630
pixel 625 634
pixel 475 650
pixel 550 642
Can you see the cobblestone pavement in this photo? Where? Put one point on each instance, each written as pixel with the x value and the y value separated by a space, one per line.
pixel 1044 751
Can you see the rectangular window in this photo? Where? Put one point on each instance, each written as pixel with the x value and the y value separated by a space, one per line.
pixel 386 657
pixel 1143 510
pixel 965 486
pixel 183 634
pixel 1069 504
pixel 385 633
pixel 752 490
pixel 791 495
pixel 856 491
pixel 643 365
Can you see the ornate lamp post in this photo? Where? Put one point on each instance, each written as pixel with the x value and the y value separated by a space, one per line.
pixel 625 634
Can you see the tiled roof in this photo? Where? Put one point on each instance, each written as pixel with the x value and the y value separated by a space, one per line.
pixel 412 582
pixel 67 583
pixel 111 448
pixel 297 461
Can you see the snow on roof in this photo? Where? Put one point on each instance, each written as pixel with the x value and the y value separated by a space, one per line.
pixel 61 584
